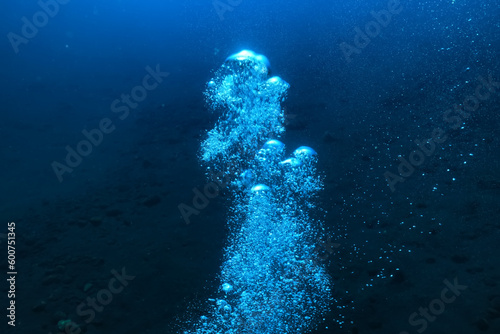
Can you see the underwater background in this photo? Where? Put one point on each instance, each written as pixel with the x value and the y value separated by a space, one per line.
pixel 102 120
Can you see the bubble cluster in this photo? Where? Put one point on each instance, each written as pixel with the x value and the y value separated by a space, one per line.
pixel 250 110
pixel 270 281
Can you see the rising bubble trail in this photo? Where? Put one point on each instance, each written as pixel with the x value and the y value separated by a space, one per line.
pixel 270 281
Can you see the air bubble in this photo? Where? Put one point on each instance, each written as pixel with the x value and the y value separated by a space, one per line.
pixel 273 144
pixel 260 188
pixel 304 150
pixel 291 162
pixel 226 287
pixel 249 55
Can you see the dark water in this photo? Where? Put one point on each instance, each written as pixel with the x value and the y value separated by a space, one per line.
pixel 399 99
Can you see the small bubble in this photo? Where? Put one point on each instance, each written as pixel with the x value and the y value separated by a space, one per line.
pixel 226 287
pixel 260 188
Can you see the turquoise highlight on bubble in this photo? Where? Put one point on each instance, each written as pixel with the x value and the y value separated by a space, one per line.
pixel 304 151
pixel 273 144
pixel 260 188
pixel 291 162
pixel 249 55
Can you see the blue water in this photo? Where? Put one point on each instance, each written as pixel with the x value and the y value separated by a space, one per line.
pixel 128 175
